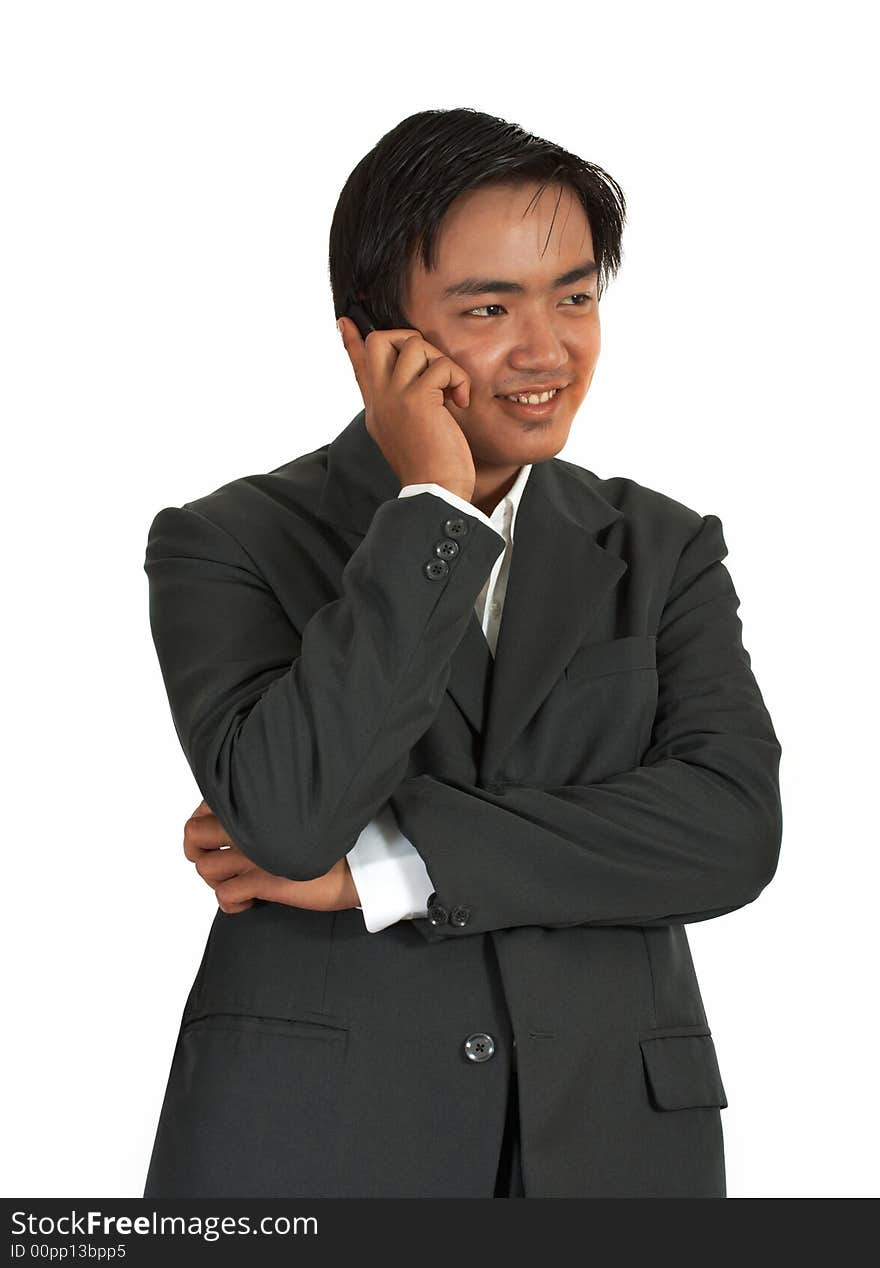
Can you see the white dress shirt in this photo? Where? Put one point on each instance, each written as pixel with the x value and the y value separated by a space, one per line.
pixel 389 874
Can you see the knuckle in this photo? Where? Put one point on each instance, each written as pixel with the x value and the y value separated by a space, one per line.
pixel 191 833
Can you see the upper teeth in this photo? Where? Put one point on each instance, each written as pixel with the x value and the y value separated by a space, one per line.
pixel 534 399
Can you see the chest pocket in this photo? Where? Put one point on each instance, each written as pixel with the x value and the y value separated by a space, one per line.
pixel 596 660
pixel 598 719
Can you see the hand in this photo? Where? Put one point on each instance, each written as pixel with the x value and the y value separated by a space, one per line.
pixel 402 379
pixel 237 881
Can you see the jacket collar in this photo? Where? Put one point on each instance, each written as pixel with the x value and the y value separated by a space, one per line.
pixel 559 578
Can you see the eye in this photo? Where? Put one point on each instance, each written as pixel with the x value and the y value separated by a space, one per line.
pixel 585 296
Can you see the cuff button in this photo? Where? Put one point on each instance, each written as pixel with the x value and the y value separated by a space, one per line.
pixel 437 913
pixel 457 527
pixel 436 569
pixel 447 549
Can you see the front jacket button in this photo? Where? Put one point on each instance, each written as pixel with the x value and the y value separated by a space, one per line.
pixel 479 1047
pixel 447 549
pixel 455 527
pixel 459 915
pixel 436 569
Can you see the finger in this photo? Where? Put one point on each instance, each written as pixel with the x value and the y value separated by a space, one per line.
pixel 232 909
pixel 398 357
pixel 203 832
pixel 202 809
pixel 238 889
pixel 220 865
pixel 417 357
pixel 445 374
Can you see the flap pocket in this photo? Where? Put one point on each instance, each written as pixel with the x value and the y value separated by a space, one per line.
pixel 681 1067
pixel 593 660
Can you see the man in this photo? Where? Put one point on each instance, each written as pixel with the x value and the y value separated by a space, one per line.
pixel 450 957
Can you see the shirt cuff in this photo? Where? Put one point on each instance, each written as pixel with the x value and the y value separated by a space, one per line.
pixel 459 503
pixel 389 874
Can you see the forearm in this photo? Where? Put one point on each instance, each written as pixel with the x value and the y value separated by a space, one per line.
pixel 666 844
pixel 295 761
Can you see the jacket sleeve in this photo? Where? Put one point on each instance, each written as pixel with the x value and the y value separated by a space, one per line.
pixel 297 738
pixel 694 832
pixel 387 870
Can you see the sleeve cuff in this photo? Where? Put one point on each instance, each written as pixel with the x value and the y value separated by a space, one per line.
pixel 459 503
pixel 389 874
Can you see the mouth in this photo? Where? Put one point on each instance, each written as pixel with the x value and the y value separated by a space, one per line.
pixel 532 404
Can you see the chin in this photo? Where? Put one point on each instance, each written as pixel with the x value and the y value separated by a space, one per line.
pixel 533 442
pixel 499 439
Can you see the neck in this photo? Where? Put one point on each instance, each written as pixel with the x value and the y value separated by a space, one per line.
pixel 491 485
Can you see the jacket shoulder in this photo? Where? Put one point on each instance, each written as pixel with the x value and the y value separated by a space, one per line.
pixel 254 509
pixel 642 507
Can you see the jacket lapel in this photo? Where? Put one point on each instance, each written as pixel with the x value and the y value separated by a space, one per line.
pixel 559 578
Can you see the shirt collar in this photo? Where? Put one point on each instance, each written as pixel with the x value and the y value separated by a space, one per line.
pixel 509 504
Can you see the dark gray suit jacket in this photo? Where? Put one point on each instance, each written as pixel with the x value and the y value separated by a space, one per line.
pixel 611 777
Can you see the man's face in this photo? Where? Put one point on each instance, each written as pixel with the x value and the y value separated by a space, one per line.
pixel 508 340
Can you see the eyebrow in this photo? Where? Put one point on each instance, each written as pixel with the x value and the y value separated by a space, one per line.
pixel 493 286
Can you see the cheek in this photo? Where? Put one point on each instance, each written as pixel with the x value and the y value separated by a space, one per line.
pixel 589 342
pixel 483 362
pixel 479 349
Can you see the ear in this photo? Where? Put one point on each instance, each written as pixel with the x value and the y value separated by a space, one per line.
pixel 357 353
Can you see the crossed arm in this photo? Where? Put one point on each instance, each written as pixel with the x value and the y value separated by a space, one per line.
pixel 692 833
pixel 237 881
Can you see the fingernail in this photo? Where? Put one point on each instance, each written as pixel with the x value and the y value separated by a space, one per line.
pixel 339 327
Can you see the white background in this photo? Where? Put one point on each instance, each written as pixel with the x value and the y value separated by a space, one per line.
pixel 170 172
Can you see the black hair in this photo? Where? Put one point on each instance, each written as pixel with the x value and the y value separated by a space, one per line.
pixel 394 200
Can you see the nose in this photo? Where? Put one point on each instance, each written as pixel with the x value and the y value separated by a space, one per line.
pixel 538 348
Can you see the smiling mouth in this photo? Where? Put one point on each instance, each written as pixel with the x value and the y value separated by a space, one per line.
pixel 536 407
pixel 531 398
